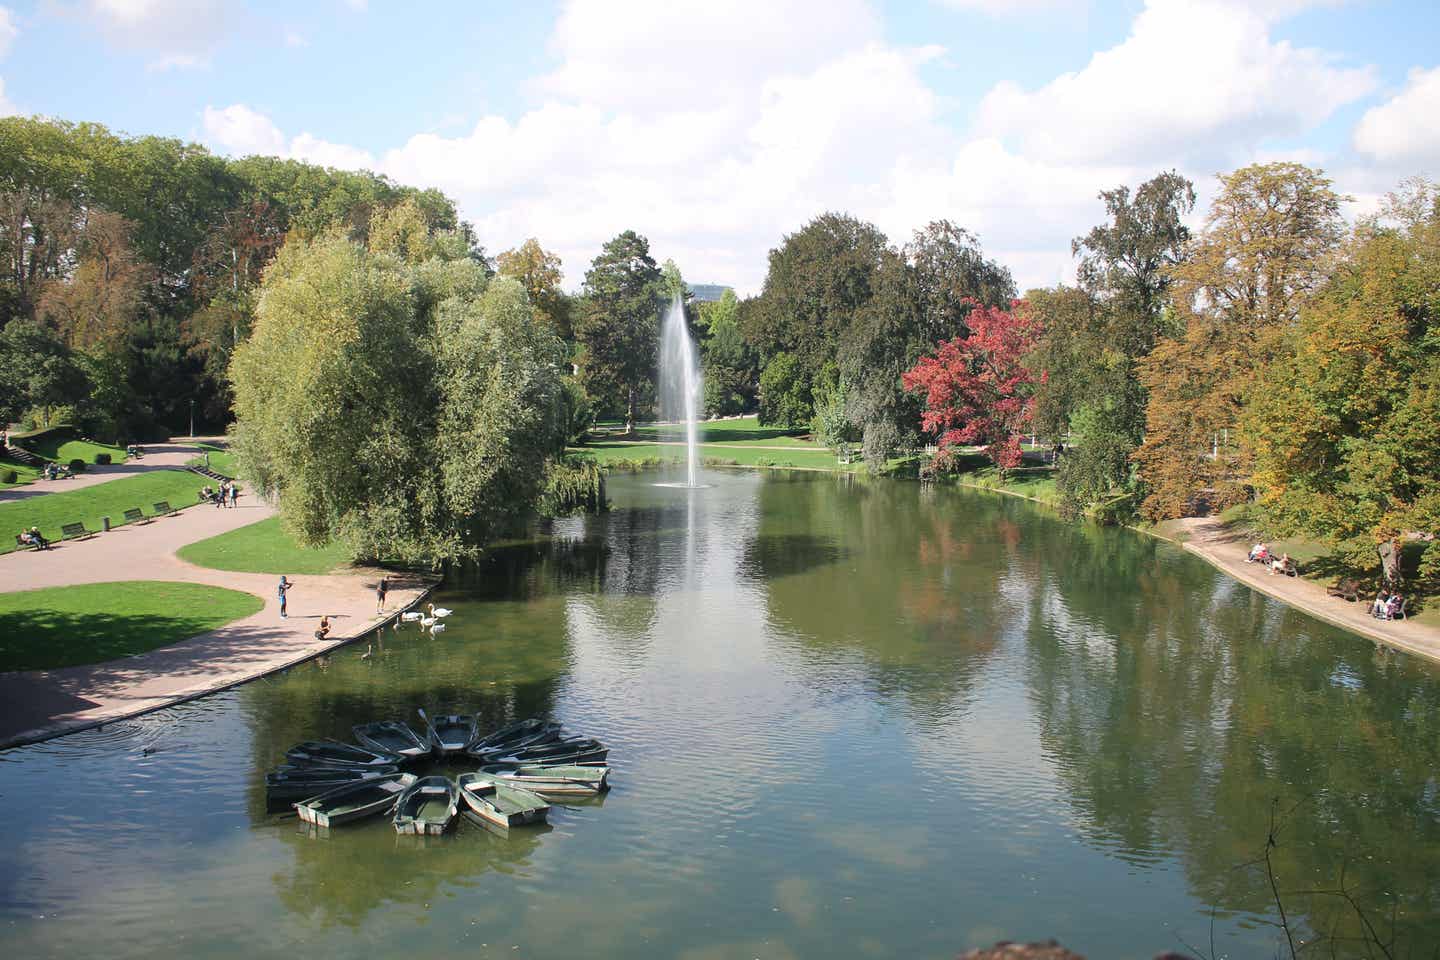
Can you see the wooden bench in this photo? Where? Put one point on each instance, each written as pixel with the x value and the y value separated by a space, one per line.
pixel 136 515
pixel 21 544
pixel 74 531
pixel 163 508
pixel 1345 589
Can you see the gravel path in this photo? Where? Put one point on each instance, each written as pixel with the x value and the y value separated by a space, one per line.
pixel 158 456
pixel 43 703
pixel 1226 549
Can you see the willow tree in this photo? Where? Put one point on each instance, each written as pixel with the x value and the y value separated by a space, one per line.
pixel 406 409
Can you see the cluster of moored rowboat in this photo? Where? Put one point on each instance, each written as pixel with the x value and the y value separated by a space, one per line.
pixel 521 768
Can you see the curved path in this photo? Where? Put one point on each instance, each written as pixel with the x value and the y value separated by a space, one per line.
pixel 38 704
pixel 1226 549
pixel 158 456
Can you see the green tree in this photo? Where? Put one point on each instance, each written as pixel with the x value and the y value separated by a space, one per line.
pixel 407 410
pixel 786 399
pixel 618 327
pixel 728 362
pixel 37 371
pixel 1096 335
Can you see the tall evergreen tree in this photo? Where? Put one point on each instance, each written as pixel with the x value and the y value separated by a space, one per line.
pixel 619 325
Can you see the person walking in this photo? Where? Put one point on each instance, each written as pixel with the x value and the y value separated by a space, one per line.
pixel 234 494
pixel 381 588
pixel 284 588
pixel 224 492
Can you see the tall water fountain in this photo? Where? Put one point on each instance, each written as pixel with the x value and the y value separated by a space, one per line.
pixel 680 380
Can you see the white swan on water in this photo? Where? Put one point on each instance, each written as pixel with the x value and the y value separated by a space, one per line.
pixel 427 622
pixel 410 616
pixel 437 628
pixel 440 611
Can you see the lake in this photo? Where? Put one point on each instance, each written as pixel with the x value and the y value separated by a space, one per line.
pixel 846 719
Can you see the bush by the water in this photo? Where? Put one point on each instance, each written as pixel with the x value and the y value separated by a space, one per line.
pixel 573 485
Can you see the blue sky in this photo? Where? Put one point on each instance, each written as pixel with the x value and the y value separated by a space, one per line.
pixel 714 129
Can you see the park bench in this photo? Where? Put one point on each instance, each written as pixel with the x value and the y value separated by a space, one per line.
pixel 163 508
pixel 74 531
pixel 20 544
pixel 1345 589
pixel 136 515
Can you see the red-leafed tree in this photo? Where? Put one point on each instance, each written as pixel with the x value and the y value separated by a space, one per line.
pixel 975 388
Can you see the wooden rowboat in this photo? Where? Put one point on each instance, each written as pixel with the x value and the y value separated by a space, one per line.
pixel 576 750
pixel 545 733
pixel 302 783
pixel 354 801
pixel 333 753
pixel 552 781
pixel 514 733
pixel 451 733
pixel 392 736
pixel 499 803
pixel 428 806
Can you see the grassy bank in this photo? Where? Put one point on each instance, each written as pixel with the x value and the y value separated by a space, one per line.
pixel 263 547
pixel 88 504
pixel 63 450
pixel 96 622
pixel 24 473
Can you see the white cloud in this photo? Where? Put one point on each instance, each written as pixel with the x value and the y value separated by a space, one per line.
pixel 7 109
pixel 242 131
pixel 666 123
pixel 293 38
pixel 1406 128
pixel 178 33
pixel 8 31
pixel 1012 8
pixel 1196 80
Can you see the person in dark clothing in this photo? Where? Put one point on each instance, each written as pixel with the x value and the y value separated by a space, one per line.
pixel 381 588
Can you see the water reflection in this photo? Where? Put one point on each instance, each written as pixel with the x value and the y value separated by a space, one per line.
pixel 845 717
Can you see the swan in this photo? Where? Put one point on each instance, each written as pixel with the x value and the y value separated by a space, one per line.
pixel 440 611
pixel 410 616
pixel 426 622
pixel 437 628
pixel 369 649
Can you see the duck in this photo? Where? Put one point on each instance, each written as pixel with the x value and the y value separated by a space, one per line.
pixel 369 650
pixel 440 611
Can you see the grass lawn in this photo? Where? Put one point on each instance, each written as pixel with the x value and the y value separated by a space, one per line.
pixel 23 472
pixel 741 430
pixel 263 548
pixel 612 453
pixel 63 451
pixel 95 622
pixel 88 504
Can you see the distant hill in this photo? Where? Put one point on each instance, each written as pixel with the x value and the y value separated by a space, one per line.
pixel 707 292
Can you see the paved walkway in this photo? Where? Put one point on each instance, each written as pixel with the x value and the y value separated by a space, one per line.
pixel 1226 549
pixel 158 456
pixel 35 705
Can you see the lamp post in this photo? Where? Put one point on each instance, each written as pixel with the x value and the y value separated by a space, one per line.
pixel 192 419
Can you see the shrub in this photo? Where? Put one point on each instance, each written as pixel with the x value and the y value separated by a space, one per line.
pixel 77 465
pixel 102 458
pixel 9 476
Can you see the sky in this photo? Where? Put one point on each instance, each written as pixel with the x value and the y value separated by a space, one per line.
pixel 715 129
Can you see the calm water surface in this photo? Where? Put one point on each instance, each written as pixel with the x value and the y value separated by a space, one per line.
pixel 846 719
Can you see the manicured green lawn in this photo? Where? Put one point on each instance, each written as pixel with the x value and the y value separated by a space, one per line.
pixel 63 451
pixel 95 622
pixel 88 504
pixel 23 472
pixel 263 547
pixel 815 458
pixel 741 430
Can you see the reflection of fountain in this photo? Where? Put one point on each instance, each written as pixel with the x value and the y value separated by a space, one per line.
pixel 680 379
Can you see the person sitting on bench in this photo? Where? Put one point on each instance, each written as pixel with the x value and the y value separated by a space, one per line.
pixel 32 538
pixel 1258 554
pixel 1381 604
